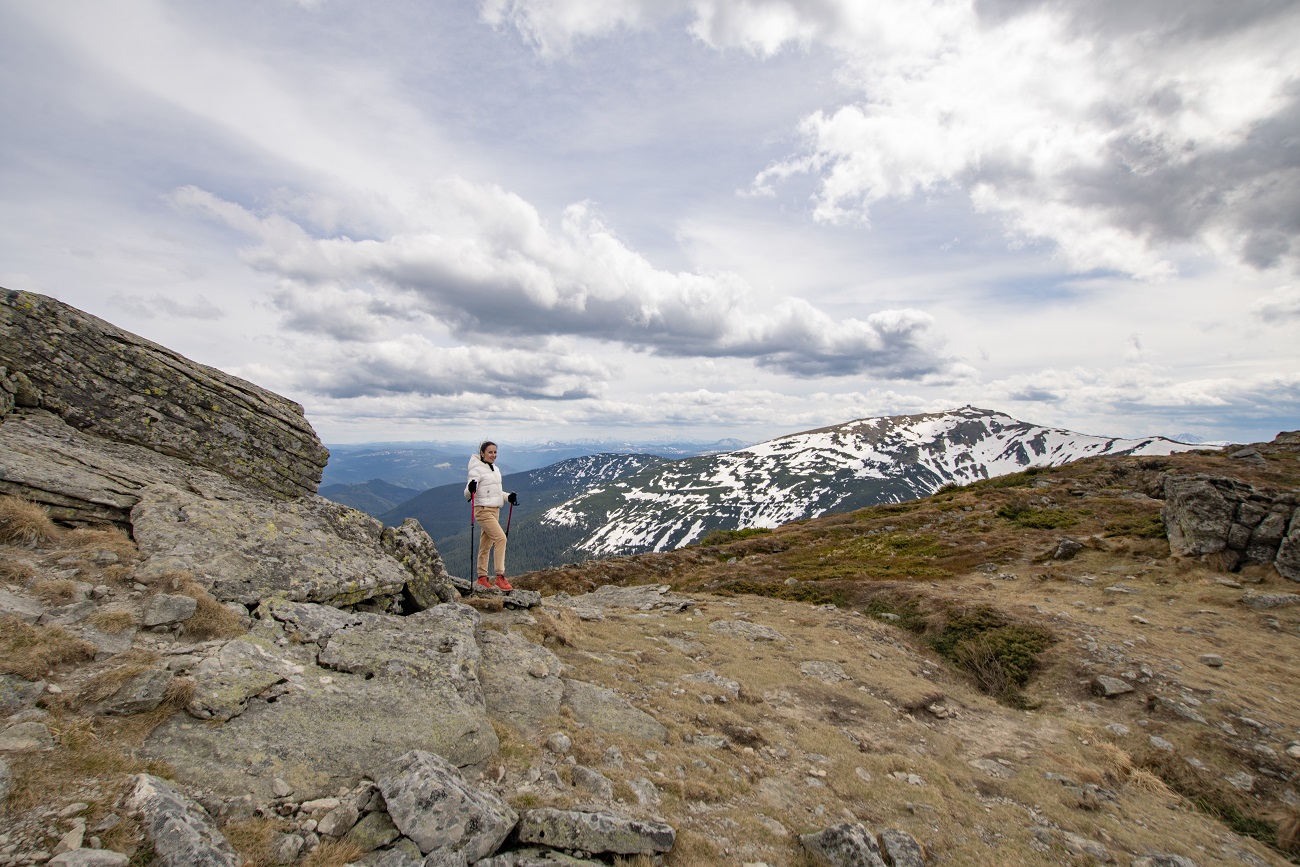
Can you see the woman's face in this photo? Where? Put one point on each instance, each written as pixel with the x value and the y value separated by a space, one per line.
pixel 490 454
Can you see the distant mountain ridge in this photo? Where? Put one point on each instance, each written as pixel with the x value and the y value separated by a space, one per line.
pixel 424 465
pixel 832 469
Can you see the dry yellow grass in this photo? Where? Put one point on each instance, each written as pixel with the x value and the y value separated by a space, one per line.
pixel 24 523
pixel 33 652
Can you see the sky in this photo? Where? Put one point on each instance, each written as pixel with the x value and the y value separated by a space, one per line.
pixel 686 220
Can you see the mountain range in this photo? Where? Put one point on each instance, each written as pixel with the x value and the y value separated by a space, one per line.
pixel 423 465
pixel 602 506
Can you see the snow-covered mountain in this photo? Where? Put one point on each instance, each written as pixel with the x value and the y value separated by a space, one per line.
pixel 833 469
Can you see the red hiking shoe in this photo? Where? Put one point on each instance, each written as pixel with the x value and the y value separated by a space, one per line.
pixel 483 583
pixel 503 584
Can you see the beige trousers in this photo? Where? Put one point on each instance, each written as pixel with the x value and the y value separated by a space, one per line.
pixel 492 534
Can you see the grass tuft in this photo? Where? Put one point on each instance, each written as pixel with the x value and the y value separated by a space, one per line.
pixel 31 652
pixel 24 523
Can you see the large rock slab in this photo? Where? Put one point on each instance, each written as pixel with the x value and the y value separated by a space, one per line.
pixel 101 378
pixel 248 549
pixel 596 832
pixel 521 680
pixel 386 685
pixel 431 803
pixel 606 711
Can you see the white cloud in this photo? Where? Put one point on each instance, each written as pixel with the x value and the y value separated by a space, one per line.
pixel 1118 137
pixel 1279 307
pixel 483 262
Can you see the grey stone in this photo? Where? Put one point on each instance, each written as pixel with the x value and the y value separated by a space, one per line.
pixel 744 629
pixel 6 781
pixel 559 742
pixel 180 830
pixel 26 610
pixel 241 669
pixel 604 710
pixel 901 848
pixel 307 622
pixel 1213 660
pixel 89 858
pixel 520 680
pixel 593 782
pixel 712 678
pixel 248 548
pixel 67 615
pixel 25 737
pixel 1109 687
pixel 596 833
pixel 536 857
pixel 1269 600
pixel 143 692
pixel 993 768
pixel 17 693
pixel 410 545
pixel 1163 859
pixel 827 672
pixel 1197 516
pixel 108 644
pixel 432 803
pixel 338 821
pixel 844 845
pixel 163 609
pixel 1066 549
pixel 285 848
pixel 374 831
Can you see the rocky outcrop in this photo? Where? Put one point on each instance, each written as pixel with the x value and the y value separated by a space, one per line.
pixel 102 379
pixel 1241 525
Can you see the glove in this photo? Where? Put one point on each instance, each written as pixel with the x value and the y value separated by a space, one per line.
pixel 512 498
pixel 473 486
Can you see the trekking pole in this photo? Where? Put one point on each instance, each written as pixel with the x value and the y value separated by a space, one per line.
pixel 510 514
pixel 472 572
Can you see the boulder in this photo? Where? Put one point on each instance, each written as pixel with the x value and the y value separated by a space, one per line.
pixel 412 547
pixel 164 609
pixel 245 549
pixel 845 845
pixel 432 803
pixel 180 831
pixel 100 378
pixel 598 833
pixel 141 693
pixel 1197 516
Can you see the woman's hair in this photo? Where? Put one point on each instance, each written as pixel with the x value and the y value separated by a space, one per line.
pixel 483 447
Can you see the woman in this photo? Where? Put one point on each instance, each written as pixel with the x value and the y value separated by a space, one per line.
pixel 484 488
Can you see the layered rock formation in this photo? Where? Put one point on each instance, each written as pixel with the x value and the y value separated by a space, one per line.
pixel 1237 523
pixel 121 387
pixel 213 476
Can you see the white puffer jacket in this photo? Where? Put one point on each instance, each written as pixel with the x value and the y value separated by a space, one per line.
pixel 490 491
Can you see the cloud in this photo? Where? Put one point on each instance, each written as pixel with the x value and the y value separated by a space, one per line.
pixel 157 304
pixel 1125 134
pixel 1147 389
pixel 412 365
pixel 1279 307
pixel 482 263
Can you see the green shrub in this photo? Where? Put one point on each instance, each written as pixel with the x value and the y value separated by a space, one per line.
pixel 722 537
pixel 1035 518
pixel 1137 526
pixel 801 592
